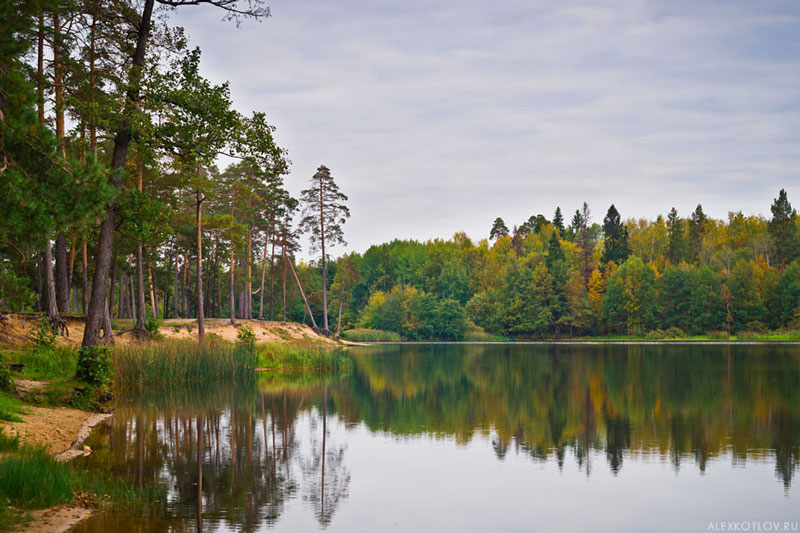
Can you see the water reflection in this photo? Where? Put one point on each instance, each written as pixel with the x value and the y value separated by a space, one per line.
pixel 236 455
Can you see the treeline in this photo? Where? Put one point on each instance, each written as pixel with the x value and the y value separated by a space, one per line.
pixel 111 204
pixel 544 278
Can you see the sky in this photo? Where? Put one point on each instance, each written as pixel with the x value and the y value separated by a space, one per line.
pixel 438 116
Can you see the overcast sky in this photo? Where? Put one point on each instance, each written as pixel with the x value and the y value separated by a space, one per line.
pixel 438 116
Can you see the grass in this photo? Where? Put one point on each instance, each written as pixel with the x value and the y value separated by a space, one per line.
pixel 371 335
pixel 8 443
pixel 46 363
pixel 10 408
pixel 303 358
pixel 177 363
pixel 32 479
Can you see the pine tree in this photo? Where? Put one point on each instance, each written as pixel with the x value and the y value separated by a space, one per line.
pixel 499 229
pixel 323 215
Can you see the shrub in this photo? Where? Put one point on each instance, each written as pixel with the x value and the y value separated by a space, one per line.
pixel 246 339
pixel 756 327
pixel 654 335
pixel 151 324
pixel 6 383
pixel 42 334
pixel 674 333
pixel 94 365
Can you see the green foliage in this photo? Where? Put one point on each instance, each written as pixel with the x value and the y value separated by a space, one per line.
pixel 32 479
pixel 414 315
pixel 15 293
pixel 246 339
pixel 42 334
pixel 630 305
pixel 60 362
pixel 151 324
pixel 6 382
pixel 10 408
pixel 94 365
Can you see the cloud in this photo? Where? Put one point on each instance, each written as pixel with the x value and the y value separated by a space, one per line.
pixel 439 116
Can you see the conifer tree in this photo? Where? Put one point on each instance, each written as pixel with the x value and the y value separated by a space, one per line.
pixel 783 229
pixel 616 238
pixel 324 213
pixel 499 229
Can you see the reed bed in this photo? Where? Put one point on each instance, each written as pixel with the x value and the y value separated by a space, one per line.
pixel 180 363
pixel 303 358
pixel 371 335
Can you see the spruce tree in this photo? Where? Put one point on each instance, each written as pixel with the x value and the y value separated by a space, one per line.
pixel 783 229
pixel 558 221
pixel 616 238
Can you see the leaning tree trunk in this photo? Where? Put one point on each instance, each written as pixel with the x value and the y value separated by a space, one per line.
pixel 201 326
pixel 339 321
pixel 303 294
pixel 105 243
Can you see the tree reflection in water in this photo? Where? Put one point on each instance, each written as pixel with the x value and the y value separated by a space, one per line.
pixel 230 455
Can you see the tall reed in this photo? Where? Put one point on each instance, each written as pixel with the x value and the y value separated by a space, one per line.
pixel 371 335
pixel 178 363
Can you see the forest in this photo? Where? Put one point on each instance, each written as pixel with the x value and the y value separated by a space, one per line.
pixel 113 206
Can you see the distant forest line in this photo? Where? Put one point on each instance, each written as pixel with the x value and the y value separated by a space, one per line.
pixel 112 206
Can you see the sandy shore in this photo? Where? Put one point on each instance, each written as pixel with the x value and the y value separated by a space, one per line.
pixel 18 326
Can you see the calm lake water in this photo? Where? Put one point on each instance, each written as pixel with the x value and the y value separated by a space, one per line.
pixel 509 437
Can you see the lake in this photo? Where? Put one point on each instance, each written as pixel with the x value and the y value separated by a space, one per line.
pixel 473 437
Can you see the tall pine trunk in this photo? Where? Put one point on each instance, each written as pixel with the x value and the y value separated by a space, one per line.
pixel 263 277
pixel 85 277
pixel 105 243
pixel 324 260
pixel 175 289
pixel 201 326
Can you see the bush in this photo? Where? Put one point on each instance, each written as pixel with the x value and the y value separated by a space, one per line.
pixel 42 334
pixel 674 333
pixel 6 383
pixel 756 327
pixel 246 339
pixel 94 365
pixel 151 324
pixel 654 335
